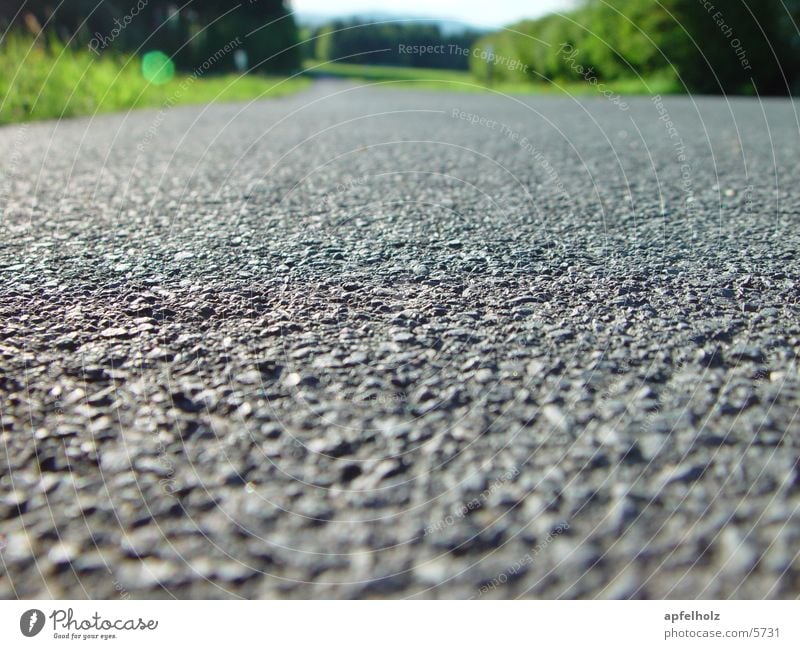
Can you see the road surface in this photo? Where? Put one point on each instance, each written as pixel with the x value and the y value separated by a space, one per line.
pixel 386 343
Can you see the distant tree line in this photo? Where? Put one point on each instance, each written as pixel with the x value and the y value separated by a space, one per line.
pixel 410 44
pixel 190 34
pixel 706 46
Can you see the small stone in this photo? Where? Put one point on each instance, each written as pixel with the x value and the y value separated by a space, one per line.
pixel 738 555
pixel 561 335
pixel 471 364
pixel 746 353
pixel 271 431
pixel 522 299
pixel 251 377
pixel 536 368
pixel 433 572
pixel 556 417
pixel 709 357
pixel 684 474
pixel 49 482
pixel 115 332
pixel 350 472
pixel 389 469
pixel 114 461
pixel 63 553
pixel 295 379
pixel 183 401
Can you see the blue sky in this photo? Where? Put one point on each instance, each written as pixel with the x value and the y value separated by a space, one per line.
pixel 481 13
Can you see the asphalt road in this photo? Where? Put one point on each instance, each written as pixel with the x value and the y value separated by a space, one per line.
pixel 391 343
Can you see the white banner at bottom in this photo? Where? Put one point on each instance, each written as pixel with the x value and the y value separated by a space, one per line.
pixel 400 624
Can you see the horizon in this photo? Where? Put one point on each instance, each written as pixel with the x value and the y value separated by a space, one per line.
pixel 470 13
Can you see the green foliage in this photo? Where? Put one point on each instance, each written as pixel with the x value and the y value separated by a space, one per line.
pixel 745 46
pixel 44 79
pixel 323 46
pixel 190 33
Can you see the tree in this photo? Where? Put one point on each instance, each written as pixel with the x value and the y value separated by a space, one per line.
pixel 740 46
pixel 191 35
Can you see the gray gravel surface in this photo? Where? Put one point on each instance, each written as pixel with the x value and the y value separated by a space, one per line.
pixel 359 343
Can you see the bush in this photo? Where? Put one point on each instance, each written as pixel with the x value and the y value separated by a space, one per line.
pixel 740 47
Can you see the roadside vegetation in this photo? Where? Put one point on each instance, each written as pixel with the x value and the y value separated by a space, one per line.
pixel 745 47
pixel 80 57
pixel 43 79
pixel 610 47
pixel 701 46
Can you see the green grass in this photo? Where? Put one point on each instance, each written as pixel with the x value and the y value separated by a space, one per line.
pixel 386 72
pixel 47 80
pixel 462 81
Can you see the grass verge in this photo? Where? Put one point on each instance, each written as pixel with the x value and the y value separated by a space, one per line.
pixel 45 79
pixel 462 81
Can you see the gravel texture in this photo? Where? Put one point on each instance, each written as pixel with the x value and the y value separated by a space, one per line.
pixel 373 342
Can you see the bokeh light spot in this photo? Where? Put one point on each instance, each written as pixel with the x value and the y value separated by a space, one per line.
pixel 157 67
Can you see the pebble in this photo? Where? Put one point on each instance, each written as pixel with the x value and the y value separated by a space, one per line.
pixel 115 332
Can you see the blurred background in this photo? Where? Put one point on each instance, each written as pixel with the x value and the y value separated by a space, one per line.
pixel 83 56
